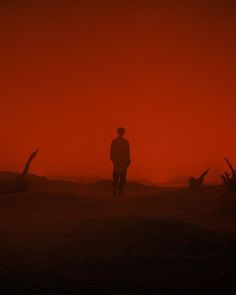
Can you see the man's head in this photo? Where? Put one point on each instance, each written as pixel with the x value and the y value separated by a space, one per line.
pixel 121 131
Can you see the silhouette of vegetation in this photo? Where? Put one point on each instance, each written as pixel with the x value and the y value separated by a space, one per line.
pixel 229 180
pixel 196 183
pixel 19 184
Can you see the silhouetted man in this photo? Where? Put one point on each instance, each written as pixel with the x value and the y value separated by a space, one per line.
pixel 120 157
pixel 196 183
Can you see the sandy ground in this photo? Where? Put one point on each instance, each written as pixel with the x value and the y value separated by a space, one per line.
pixel 65 239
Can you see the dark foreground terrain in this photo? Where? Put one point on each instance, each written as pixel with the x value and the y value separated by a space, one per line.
pixel 66 238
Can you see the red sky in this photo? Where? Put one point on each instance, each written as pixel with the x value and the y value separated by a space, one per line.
pixel 73 71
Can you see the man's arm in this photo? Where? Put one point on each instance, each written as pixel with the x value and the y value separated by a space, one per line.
pixel 128 154
pixel 112 151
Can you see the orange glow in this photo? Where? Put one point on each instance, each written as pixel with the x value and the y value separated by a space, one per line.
pixel 72 72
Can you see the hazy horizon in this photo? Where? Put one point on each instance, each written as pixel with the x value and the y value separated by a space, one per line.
pixel 176 181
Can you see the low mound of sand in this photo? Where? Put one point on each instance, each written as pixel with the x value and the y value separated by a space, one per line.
pixel 227 205
pixel 84 240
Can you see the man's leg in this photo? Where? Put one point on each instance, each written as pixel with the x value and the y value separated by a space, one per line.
pixel 115 182
pixel 122 183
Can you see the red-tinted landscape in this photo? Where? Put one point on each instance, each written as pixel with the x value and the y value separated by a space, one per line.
pixel 71 73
